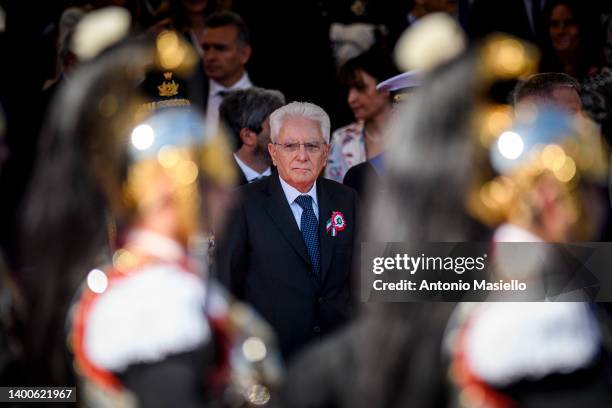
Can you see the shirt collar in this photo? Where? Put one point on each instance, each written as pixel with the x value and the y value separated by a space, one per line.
pixel 243 83
pixel 292 193
pixel 249 173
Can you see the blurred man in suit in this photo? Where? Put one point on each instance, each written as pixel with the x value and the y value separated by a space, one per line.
pixel 288 249
pixel 226 44
pixel 246 113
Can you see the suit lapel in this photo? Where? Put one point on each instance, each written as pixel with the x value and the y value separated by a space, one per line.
pixel 278 209
pixel 326 241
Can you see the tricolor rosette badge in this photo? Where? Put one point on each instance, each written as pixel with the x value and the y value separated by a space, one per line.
pixel 336 223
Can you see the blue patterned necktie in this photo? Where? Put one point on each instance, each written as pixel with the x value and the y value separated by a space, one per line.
pixel 310 231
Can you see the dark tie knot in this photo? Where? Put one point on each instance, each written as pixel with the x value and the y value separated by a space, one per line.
pixel 304 201
pixel 222 93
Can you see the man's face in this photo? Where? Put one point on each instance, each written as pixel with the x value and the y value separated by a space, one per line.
pixel 563 29
pixel 299 168
pixel 224 58
pixel 568 99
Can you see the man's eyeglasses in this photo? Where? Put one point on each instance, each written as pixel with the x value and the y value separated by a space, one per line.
pixel 310 147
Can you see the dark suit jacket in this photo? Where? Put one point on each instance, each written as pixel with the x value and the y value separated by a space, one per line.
pixel 241 179
pixel 264 261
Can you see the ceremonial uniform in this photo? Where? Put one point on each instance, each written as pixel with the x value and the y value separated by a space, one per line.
pixel 149 328
pixel 143 326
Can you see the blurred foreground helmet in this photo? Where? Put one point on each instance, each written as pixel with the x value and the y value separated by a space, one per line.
pixel 528 354
pixel 170 155
pixel 541 142
pixel 400 85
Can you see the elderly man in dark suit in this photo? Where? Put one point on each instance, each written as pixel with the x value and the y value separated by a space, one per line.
pixel 288 249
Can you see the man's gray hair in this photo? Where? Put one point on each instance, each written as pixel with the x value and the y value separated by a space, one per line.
pixel 300 109
pixel 248 108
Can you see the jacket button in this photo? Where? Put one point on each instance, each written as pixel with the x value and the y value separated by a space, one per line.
pixel 321 300
pixel 316 329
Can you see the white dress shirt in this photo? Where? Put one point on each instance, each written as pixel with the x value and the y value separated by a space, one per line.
pixel 249 173
pixel 291 194
pixel 215 95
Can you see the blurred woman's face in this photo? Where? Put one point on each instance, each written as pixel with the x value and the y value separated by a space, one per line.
pixel 363 98
pixel 563 29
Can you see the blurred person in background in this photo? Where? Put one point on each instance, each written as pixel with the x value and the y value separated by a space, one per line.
pixel 246 112
pixel 226 47
pixel 574 39
pixel 563 91
pixel 365 177
pixel 549 353
pixel 363 139
pixel 188 17
pixel 576 47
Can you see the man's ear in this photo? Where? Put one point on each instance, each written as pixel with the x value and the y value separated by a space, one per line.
pixel 245 54
pixel 272 151
pixel 326 150
pixel 248 137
